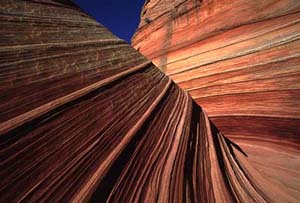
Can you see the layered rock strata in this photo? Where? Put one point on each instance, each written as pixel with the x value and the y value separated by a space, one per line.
pixel 86 118
pixel 240 61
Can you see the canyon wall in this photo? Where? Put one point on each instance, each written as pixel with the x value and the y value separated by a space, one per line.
pixel 239 60
pixel 86 118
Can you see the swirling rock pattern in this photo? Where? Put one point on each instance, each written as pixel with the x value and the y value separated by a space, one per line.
pixel 240 61
pixel 86 118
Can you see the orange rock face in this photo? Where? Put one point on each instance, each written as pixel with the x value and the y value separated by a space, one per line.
pixel 86 118
pixel 239 60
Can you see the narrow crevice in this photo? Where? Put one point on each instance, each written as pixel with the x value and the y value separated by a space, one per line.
pixel 107 184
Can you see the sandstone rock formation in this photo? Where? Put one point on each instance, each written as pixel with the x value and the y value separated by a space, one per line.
pixel 239 60
pixel 86 118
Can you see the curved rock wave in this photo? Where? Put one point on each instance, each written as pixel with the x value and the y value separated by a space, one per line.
pixel 239 60
pixel 86 118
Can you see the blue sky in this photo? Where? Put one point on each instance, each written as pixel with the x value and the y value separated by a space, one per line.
pixel 119 16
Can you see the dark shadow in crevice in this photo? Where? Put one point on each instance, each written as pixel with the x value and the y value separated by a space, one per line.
pixel 230 144
pixel 215 134
pixel 106 185
pixel 190 154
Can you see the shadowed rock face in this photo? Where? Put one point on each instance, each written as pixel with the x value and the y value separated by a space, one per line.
pixel 240 61
pixel 86 118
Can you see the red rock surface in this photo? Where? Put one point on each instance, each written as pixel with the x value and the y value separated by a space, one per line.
pixel 86 118
pixel 239 60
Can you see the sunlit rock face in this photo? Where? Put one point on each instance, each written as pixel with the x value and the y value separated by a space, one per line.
pixel 86 118
pixel 239 60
